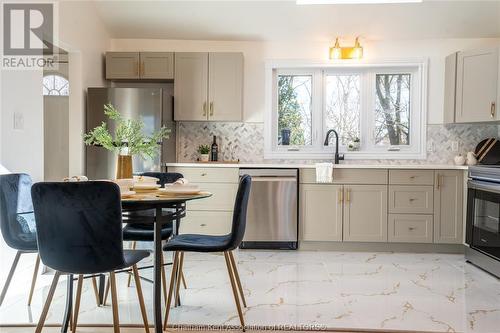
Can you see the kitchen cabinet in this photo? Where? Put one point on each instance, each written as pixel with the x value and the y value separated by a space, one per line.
pixel 139 65
pixel 365 213
pixel 157 65
pixel 191 86
pixel 411 199
pixel 448 206
pixel 321 212
pixel 122 65
pixel 211 216
pixel 410 228
pixel 471 86
pixel 208 86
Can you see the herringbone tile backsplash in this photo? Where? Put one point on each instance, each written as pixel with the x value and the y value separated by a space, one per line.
pixel 245 141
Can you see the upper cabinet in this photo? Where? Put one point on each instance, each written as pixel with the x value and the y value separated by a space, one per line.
pixel 139 65
pixel 208 86
pixel 471 86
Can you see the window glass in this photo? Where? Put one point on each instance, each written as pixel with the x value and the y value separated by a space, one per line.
pixel 343 106
pixel 294 110
pixel 392 109
pixel 55 85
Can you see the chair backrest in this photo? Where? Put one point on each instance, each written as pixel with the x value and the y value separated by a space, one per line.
pixel 79 226
pixel 240 212
pixel 15 199
pixel 164 177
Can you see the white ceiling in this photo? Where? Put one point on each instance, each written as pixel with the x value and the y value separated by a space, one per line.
pixel 284 20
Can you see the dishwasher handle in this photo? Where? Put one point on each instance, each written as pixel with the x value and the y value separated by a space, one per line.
pixel 273 179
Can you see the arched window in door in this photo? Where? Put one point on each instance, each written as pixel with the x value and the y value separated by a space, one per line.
pixel 55 85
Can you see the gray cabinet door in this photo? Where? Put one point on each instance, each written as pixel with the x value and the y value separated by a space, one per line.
pixel 122 65
pixel 157 65
pixel 225 86
pixel 365 213
pixel 448 207
pixel 321 212
pixel 477 86
pixel 191 86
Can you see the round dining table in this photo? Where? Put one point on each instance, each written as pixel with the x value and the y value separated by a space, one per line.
pixel 167 208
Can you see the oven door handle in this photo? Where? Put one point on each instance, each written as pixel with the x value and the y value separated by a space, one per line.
pixel 483 186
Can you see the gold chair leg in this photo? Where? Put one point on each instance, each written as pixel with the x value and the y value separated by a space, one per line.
pixel 106 293
pixel 178 277
pixel 78 297
pixel 140 296
pixel 9 277
pixel 163 279
pixel 183 279
pixel 237 277
pixel 33 279
pixel 171 288
pixel 96 291
pixel 134 244
pixel 46 307
pixel 114 303
pixel 235 292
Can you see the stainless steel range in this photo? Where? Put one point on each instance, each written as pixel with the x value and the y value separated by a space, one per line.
pixel 483 217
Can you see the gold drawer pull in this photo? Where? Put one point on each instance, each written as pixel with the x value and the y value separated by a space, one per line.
pixel 203 174
pixel 411 228
pixel 203 225
pixel 493 109
pixel 341 195
pixel 413 177
pixel 204 109
pixel 412 199
pixel 348 195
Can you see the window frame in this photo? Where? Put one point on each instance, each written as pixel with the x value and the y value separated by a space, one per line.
pixel 418 108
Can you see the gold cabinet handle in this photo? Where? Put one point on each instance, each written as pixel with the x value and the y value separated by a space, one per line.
pixel 341 195
pixel 348 195
pixel 143 68
pixel 204 109
pixel 211 108
pixel 412 199
pixel 203 174
pixel 438 185
pixel 493 109
pixel 411 228
pixel 137 68
pixel 441 181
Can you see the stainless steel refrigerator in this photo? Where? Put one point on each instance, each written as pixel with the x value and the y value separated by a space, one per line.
pixel 153 105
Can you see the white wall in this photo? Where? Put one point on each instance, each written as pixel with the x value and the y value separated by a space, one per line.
pixel 256 53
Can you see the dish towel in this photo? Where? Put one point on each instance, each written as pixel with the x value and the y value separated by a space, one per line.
pixel 324 172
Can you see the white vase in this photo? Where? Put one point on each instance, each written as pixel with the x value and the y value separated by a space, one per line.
pixel 459 160
pixel 204 157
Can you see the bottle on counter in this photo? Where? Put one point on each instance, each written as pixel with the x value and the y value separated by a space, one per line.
pixel 214 152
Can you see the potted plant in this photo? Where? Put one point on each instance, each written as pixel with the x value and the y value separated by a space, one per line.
pixel 127 140
pixel 204 151
pixel 354 144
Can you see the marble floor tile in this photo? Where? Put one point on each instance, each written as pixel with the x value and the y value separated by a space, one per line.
pixel 345 290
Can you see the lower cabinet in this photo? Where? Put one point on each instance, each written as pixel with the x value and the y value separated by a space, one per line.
pixel 206 223
pixel 321 212
pixel 365 213
pixel 448 206
pixel 410 228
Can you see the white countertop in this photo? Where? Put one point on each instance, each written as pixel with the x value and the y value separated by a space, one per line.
pixel 305 166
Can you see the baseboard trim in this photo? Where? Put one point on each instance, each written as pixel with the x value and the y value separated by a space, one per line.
pixel 382 247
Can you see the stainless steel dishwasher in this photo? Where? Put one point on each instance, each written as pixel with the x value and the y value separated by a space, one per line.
pixel 272 209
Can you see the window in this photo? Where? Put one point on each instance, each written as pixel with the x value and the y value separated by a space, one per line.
pixel 377 110
pixel 55 85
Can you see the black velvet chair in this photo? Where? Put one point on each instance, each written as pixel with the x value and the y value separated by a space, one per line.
pixel 79 231
pixel 17 223
pixel 205 243
pixel 137 232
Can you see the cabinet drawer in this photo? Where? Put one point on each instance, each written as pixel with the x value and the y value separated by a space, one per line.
pixel 223 196
pixel 208 175
pixel 206 223
pixel 348 176
pixel 411 199
pixel 406 228
pixel 411 177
